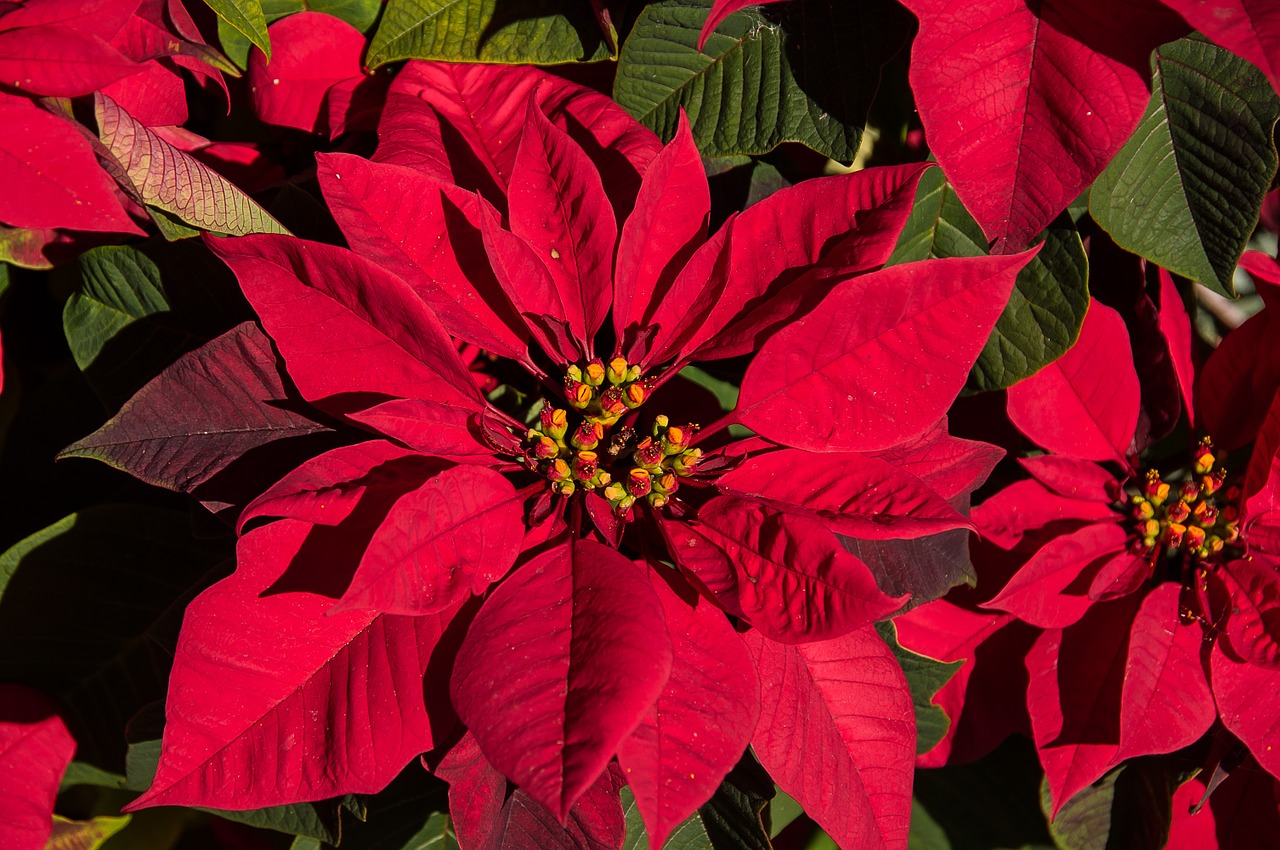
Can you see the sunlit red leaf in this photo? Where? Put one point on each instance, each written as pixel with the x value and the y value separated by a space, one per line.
pixel 429 427
pixel 1085 403
pixel 837 733
pixel 452 537
pixel 1028 505
pixel 558 206
pixel 35 748
pixel 562 662
pixel 60 61
pixel 1253 623
pixel 880 359
pixel 1242 810
pixel 484 108
pixel 102 17
pixel 668 223
pixel 1051 589
pixel 793 579
pixel 1175 327
pixel 1246 698
pixel 701 723
pixel 1024 105
pixel 345 325
pixel 855 493
pixel 1248 28
pixel 848 225
pixel 312 52
pixel 52 178
pixel 274 700
pixel 1165 703
pixel 1074 696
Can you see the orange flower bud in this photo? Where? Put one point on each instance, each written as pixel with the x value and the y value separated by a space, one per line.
pixel 1204 459
pixel 587 435
pixel 554 422
pixel 1173 534
pixel 593 374
pixel 1178 511
pixel 1143 509
pixel 545 448
pixel 579 395
pixel 611 403
pixel 687 462
pixel 633 396
pixel 1194 537
pixel 585 466
pixel 648 454
pixel 638 482
pixel 558 470
pixel 617 370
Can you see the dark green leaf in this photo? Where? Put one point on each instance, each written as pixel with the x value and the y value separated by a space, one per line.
pixel 322 820
pixel 83 773
pixel 1128 809
pixel 989 804
pixel 783 809
pixel 246 18
pixel 1185 191
pixel 925 676
pixel 76 602
pixel 806 72
pixel 1044 314
pixel 541 32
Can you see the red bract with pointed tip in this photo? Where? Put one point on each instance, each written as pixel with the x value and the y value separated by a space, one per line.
pixel 556 556
pixel 1130 571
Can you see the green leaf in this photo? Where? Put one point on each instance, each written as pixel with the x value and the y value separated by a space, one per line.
pixel 1130 807
pixel 733 819
pixel 1185 191
pixel 783 809
pixel 806 72
pixel 83 834
pixel 540 32
pixel 83 773
pixel 244 17
pixel 988 804
pixel 925 676
pixel 1049 300
pixel 361 14
pixel 162 176
pixel 77 601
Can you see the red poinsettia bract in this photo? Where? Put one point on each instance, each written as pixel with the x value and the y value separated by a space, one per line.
pixel 1155 590
pixel 554 558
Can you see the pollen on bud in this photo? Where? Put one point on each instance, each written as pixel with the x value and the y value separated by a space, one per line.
pixel 585 466
pixel 611 403
pixel 1212 483
pixel 666 483
pixel 1173 534
pixel 1194 538
pixel 1204 459
pixel 618 371
pixel 594 374
pixel 554 422
pixel 558 470
pixel 1155 489
pixel 687 462
pixel 1177 512
pixel 648 454
pixel 639 483
pixel 1189 491
pixel 545 448
pixel 1205 514
pixel 633 396
pixel 580 395
pixel 587 435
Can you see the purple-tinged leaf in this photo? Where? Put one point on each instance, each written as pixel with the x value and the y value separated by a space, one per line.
pixel 1085 403
pixel 560 664
pixel 837 733
pixel 702 722
pixel 880 359
pixel 175 182
pixel 273 700
pixel 450 538
pixel 211 407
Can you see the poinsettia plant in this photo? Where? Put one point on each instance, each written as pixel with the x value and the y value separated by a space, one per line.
pixel 555 425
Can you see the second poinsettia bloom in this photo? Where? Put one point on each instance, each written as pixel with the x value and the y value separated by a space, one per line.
pixel 557 556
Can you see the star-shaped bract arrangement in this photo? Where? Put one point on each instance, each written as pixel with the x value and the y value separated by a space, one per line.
pixel 581 563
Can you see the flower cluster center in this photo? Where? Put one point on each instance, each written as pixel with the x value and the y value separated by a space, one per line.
pixel 583 448
pixel 1196 517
